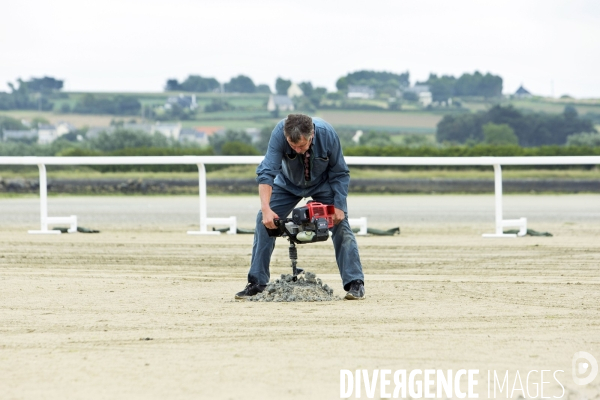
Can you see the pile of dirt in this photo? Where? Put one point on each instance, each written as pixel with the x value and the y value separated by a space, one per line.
pixel 307 288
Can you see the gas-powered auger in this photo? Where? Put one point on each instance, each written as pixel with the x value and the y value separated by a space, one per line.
pixel 308 224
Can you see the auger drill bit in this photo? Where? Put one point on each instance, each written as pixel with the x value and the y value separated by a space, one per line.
pixel 294 258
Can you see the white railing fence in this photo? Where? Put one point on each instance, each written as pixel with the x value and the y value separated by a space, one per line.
pixel 200 161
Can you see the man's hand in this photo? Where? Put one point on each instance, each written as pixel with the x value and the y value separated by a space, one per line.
pixel 338 216
pixel 268 217
pixel 264 192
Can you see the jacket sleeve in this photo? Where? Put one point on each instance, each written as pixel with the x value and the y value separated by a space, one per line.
pixel 270 167
pixel 339 174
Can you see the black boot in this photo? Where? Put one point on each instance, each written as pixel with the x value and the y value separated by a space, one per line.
pixel 250 290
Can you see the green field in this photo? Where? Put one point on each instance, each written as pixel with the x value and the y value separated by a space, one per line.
pixel 250 112
pixel 538 104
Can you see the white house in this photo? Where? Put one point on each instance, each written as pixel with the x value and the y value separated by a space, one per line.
pixel 147 128
pixel 28 135
pixel 200 134
pixel 418 89
pixel 44 134
pixel 183 101
pixel 425 98
pixel 47 134
pixel 254 133
pixel 62 128
pixel 191 135
pixel 294 91
pixel 169 130
pixel 423 93
pixel 360 92
pixel 280 102
pixel 94 131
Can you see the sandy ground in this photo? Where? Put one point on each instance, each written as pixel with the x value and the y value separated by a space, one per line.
pixel 76 310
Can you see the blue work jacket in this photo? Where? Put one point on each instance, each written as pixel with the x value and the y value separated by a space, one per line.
pixel 283 167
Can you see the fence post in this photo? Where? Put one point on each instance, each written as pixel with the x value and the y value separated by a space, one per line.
pixel 44 220
pixel 500 222
pixel 204 220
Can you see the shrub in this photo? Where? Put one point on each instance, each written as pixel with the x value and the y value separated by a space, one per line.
pixel 586 139
pixel 499 134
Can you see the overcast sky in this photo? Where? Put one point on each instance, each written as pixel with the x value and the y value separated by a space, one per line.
pixel 549 46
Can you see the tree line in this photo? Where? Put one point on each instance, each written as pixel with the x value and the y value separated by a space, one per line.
pixel 501 127
pixel 384 83
pixel 511 126
pixel 467 85
pixel 128 143
pixel 39 94
pixel 199 84
pixel 34 94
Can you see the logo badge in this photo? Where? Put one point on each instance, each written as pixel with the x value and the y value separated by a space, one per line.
pixel 585 368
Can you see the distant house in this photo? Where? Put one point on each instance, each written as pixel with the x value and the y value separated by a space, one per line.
pixel 30 135
pixel 210 130
pixel 418 89
pixel 360 92
pixel 47 134
pixel 147 128
pixel 522 93
pixel 199 134
pixel 191 135
pixel 44 134
pixel 425 98
pixel 63 127
pixel 280 102
pixel 254 134
pixel 183 101
pixel 94 131
pixel 423 93
pixel 294 91
pixel 170 130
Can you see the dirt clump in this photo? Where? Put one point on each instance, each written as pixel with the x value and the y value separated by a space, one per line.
pixel 306 288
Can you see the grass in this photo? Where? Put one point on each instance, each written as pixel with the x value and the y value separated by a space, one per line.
pixel 248 171
pixel 538 104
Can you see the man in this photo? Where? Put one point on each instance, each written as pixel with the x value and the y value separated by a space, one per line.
pixel 304 159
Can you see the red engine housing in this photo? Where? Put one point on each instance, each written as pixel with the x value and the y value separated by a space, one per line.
pixel 313 210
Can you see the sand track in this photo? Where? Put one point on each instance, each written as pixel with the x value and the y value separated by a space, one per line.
pixel 76 311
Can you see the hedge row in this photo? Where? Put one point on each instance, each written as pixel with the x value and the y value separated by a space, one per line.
pixel 389 151
pixel 472 151
pixel 476 151
pixel 146 151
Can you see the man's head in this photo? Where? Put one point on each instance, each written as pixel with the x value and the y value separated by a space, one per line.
pixel 299 132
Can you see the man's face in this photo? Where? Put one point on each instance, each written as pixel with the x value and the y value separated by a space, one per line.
pixel 302 145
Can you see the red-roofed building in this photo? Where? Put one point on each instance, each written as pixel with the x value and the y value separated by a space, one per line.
pixel 199 134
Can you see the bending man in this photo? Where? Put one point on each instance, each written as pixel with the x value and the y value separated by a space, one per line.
pixel 304 159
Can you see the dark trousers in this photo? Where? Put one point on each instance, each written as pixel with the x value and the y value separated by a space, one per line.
pixel 344 242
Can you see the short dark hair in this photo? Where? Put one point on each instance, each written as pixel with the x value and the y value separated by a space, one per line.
pixel 298 126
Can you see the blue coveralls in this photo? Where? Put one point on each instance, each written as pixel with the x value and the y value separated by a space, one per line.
pixel 283 169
